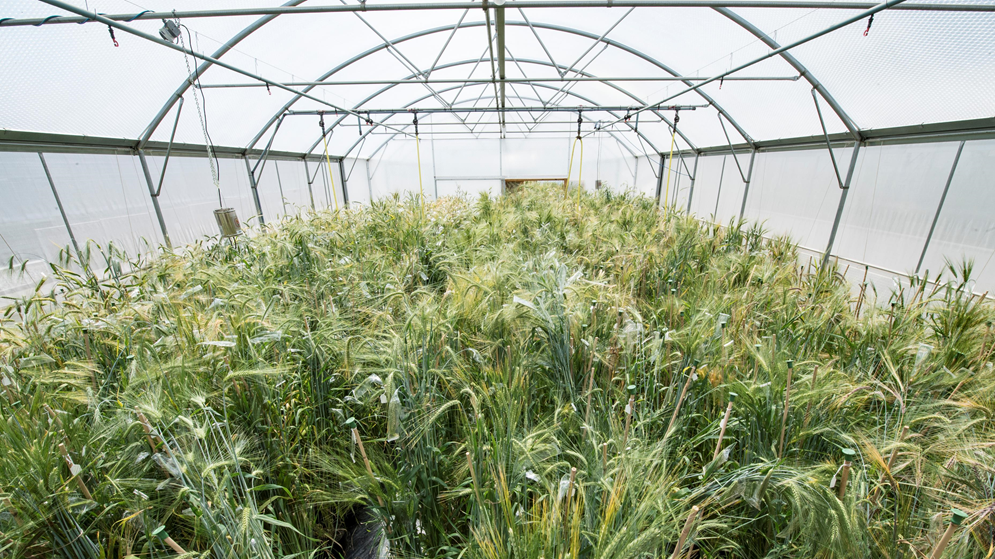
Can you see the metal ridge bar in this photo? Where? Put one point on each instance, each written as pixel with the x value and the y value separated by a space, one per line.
pixel 519 4
pixel 551 108
pixel 507 80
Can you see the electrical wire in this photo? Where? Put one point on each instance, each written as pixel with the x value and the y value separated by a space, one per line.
pixel 212 157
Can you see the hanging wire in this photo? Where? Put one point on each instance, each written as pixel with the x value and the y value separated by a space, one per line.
pixel 421 189
pixel 670 158
pixel 194 81
pixel 328 161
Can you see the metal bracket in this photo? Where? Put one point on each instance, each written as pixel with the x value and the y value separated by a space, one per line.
pixel 732 151
pixel 169 148
pixel 825 133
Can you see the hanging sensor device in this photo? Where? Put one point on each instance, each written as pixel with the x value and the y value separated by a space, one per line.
pixel 169 31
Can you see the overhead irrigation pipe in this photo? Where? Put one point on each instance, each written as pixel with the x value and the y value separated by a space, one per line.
pixel 863 15
pixel 520 4
pixel 111 23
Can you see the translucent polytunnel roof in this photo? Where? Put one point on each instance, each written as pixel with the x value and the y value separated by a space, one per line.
pixel 913 67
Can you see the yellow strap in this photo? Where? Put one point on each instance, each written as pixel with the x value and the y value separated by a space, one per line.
pixel 670 165
pixel 330 179
pixel 421 190
pixel 580 169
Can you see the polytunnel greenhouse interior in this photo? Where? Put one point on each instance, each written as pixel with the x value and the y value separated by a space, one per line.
pixel 497 279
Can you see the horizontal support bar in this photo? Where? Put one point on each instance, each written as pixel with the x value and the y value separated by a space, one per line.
pixel 519 4
pixel 506 80
pixel 550 108
pixel 13 140
pixel 954 131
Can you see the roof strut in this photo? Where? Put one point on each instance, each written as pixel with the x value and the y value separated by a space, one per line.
pixel 825 133
pixel 169 148
pixel 732 151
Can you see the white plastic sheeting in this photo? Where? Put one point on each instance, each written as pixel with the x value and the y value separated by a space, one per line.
pixel 893 199
pixel 70 79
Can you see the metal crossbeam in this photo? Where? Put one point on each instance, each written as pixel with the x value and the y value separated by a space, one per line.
pixel 550 108
pixel 519 4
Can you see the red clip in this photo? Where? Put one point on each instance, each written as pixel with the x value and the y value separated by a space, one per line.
pixel 268 90
pixel 111 31
pixel 721 80
pixel 869 22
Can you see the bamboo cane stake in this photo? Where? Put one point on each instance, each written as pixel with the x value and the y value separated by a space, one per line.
pixel 680 400
pixel 684 533
pixel 75 474
pixel 958 517
pixel 725 422
pixel 628 420
pixel 570 490
pixel 147 428
pixel 787 401
pixel 366 461
pixel 473 478
pixel 164 538
pixel 860 299
pixel 604 456
pixel 845 475
pixel 590 391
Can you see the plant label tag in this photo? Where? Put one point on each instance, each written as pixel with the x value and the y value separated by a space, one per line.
pixel 75 469
pixel 832 482
pixel 383 398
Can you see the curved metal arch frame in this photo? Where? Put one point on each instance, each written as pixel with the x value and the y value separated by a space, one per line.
pixel 227 46
pixel 396 134
pixel 798 66
pixel 520 60
pixel 540 25
pixel 403 127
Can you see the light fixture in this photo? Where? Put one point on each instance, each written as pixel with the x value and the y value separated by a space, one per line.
pixel 169 31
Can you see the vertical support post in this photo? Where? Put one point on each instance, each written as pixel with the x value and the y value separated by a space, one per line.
pixel 746 188
pixel 499 25
pixel 435 174
pixel 65 220
pixel 345 187
pixel 659 182
pixel 839 209
pixel 939 207
pixel 693 177
pixel 255 193
pixel 307 177
pixel 155 199
pixel 718 193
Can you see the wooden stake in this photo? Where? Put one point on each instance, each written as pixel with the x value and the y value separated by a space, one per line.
pixel 604 456
pixel 366 461
pixel 566 506
pixel 628 420
pixel 473 479
pixel 860 299
pixel 958 518
pixel 684 533
pixel 725 422
pixel 787 401
pixel 845 475
pixel 164 538
pixel 680 400
pixel 590 391
pixel 147 428
pixel 75 474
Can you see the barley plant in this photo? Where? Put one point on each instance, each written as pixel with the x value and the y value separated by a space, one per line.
pixel 523 377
